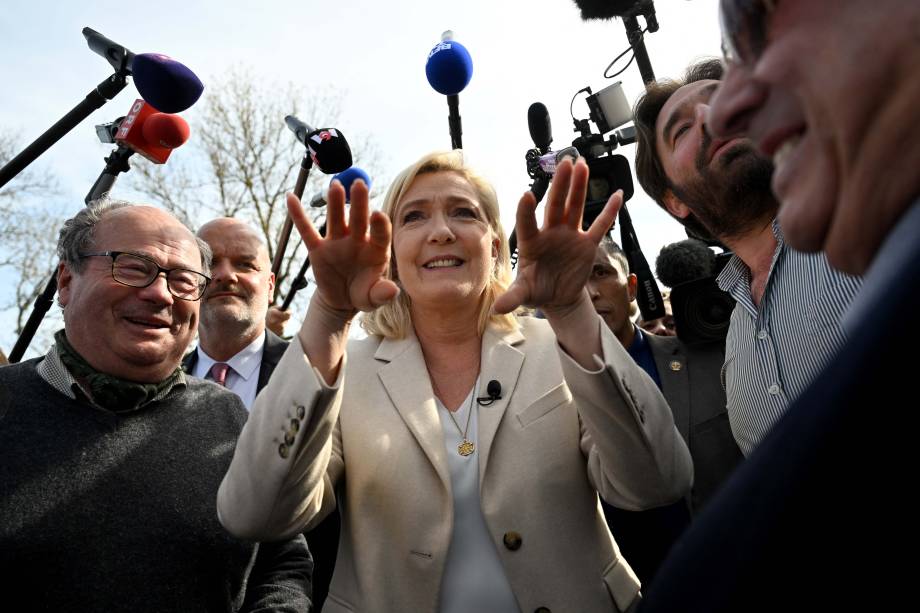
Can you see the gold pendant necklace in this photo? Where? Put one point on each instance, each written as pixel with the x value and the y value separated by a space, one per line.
pixel 466 446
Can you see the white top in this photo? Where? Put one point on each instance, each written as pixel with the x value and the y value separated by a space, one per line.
pixel 474 578
pixel 243 376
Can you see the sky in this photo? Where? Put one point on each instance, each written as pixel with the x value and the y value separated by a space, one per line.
pixel 523 51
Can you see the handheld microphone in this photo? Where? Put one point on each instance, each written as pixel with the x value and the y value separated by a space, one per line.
pixel 327 146
pixel 449 69
pixel 494 391
pixel 541 130
pixel 150 133
pixel 168 85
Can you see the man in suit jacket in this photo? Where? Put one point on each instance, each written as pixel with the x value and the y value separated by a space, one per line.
pixel 237 350
pixel 234 347
pixel 688 377
pixel 816 517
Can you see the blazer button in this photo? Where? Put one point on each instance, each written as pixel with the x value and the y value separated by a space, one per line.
pixel 288 438
pixel 512 540
pixel 301 412
pixel 295 426
pixel 283 450
pixel 542 610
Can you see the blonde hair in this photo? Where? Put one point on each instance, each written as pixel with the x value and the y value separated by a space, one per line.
pixel 394 320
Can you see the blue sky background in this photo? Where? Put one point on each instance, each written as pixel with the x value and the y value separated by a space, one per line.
pixel 523 51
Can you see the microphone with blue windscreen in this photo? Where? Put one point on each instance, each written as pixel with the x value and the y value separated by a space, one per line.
pixel 449 69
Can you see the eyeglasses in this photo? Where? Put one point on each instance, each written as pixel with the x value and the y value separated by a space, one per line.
pixel 136 270
pixel 744 28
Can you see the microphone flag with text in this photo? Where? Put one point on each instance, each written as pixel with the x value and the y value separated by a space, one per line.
pixel 449 69
pixel 328 149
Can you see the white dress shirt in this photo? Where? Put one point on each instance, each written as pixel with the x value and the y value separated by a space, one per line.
pixel 243 376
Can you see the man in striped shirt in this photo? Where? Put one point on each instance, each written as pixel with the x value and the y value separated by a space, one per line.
pixel 786 323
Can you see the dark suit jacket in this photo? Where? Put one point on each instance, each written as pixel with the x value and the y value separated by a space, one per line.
pixel 692 386
pixel 819 517
pixel 271 354
pixel 323 540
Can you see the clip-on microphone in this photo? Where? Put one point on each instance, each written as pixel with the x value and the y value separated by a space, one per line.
pixel 494 391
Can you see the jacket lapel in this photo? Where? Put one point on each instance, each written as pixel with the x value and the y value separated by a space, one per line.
pixel 272 351
pixel 406 381
pixel 502 362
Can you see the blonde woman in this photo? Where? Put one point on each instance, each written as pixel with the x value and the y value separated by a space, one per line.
pixel 452 500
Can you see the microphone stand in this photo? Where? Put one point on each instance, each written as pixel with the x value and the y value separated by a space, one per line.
pixel 104 92
pixel 116 163
pixel 300 281
pixel 120 59
pixel 305 165
pixel 636 41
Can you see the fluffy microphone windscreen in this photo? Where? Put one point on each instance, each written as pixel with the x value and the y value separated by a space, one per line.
pixel 330 150
pixel 684 261
pixel 347 177
pixel 541 130
pixel 607 9
pixel 169 86
pixel 449 67
pixel 165 130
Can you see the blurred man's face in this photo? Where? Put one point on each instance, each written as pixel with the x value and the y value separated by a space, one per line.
pixel 821 88
pixel 724 183
pixel 611 291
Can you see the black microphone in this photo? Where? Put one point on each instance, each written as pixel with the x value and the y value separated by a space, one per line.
pixel 684 261
pixel 608 9
pixel 328 147
pixel 494 391
pixel 541 130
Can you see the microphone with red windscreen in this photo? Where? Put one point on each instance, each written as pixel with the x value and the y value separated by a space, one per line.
pixel 150 133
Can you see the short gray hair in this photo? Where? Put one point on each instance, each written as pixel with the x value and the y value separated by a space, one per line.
pixel 77 235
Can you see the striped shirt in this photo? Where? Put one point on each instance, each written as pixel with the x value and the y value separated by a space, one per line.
pixel 772 352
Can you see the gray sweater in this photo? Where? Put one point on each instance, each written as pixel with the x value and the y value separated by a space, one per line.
pixel 106 512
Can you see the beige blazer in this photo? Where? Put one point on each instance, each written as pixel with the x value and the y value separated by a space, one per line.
pixel 558 436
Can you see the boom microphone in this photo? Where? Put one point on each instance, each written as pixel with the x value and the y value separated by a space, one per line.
pixel 168 85
pixel 327 146
pixel 608 9
pixel 449 69
pixel 150 133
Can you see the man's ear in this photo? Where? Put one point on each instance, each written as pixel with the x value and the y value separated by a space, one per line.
pixel 675 205
pixel 632 284
pixel 271 287
pixel 64 277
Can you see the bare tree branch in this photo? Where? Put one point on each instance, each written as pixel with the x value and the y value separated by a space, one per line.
pixel 242 160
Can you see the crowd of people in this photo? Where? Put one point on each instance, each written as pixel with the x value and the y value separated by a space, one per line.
pixel 505 440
